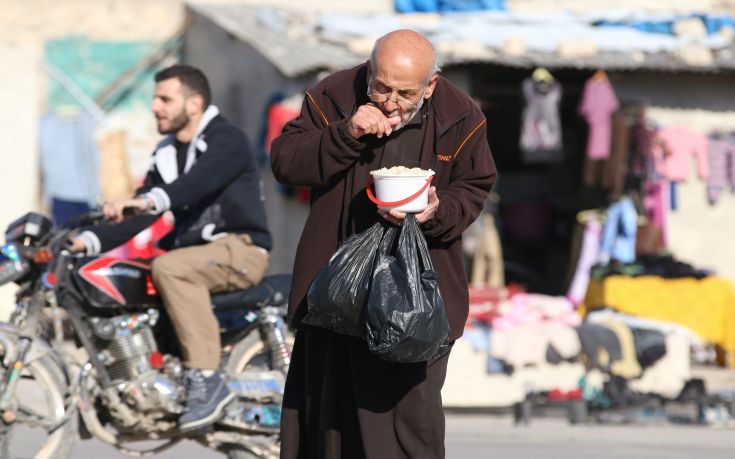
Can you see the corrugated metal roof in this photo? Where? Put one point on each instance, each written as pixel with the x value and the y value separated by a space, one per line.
pixel 291 56
pixel 297 43
pixel 662 63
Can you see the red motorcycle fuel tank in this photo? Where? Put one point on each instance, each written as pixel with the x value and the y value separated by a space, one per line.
pixel 113 284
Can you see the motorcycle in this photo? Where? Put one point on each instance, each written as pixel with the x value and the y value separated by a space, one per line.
pixel 90 352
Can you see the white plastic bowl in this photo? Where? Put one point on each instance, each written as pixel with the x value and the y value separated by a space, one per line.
pixel 394 188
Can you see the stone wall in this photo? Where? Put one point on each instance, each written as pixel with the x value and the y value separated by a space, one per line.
pixel 19 186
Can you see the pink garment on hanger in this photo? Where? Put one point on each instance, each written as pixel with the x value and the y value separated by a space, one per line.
pixel 655 202
pixel 587 257
pixel 673 150
pixel 598 105
pixel 721 157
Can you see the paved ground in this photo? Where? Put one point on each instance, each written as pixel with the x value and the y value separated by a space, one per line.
pixel 491 436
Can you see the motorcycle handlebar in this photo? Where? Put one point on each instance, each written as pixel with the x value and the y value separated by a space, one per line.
pixel 89 218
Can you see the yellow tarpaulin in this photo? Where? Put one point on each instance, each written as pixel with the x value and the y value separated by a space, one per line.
pixel 705 306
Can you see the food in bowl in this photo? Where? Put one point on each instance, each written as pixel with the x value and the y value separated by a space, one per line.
pixel 402 170
pixel 401 188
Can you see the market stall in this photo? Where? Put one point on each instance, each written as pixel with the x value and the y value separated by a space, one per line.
pixel 706 306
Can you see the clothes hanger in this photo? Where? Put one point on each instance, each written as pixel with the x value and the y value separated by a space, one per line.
pixel 599 75
pixel 583 216
pixel 542 75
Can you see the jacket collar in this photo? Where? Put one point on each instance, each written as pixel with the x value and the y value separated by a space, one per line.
pixel 447 111
pixel 346 97
pixel 165 155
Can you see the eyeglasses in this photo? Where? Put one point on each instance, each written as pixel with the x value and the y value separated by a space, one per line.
pixel 403 97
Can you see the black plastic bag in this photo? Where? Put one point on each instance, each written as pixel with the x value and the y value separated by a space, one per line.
pixel 405 316
pixel 337 296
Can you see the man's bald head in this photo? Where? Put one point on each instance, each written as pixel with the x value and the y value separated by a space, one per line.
pixel 405 50
pixel 402 74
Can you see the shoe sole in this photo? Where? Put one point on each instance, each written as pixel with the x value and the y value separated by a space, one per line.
pixel 212 417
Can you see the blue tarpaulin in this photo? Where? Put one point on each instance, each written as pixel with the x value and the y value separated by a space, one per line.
pixel 712 24
pixel 447 6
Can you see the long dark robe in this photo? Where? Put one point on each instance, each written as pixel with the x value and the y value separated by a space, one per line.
pixel 344 402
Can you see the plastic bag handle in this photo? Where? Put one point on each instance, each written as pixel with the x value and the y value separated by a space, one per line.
pixel 395 203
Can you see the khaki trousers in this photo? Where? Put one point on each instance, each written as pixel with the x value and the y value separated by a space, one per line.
pixel 185 277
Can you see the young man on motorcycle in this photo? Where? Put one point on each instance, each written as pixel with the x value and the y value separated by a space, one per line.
pixel 205 172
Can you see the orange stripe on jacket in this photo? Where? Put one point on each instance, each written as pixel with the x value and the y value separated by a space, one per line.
pixel 468 137
pixel 317 108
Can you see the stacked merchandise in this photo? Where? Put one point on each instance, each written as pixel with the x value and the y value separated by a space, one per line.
pixel 536 347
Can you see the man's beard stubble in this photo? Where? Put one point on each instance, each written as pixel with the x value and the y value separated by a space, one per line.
pixel 177 124
pixel 411 115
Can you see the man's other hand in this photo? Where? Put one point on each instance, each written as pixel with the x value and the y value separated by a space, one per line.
pixel 368 119
pixel 115 210
pixel 427 214
pixel 77 245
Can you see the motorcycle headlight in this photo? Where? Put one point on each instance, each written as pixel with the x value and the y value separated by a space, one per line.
pixel 12 264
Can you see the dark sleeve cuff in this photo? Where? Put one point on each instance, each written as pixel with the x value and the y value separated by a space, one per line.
pixel 344 136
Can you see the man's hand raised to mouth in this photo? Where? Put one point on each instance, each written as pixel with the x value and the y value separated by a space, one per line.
pixel 369 119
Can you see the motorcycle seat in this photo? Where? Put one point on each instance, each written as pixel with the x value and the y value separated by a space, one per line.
pixel 272 290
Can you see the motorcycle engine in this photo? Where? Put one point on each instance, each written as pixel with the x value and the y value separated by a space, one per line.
pixel 146 381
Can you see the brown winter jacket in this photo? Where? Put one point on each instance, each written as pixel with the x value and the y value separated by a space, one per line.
pixel 315 150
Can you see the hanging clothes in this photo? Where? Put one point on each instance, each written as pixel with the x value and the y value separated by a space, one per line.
pixel 487 266
pixel 610 174
pixel 597 107
pixel 642 135
pixel 649 239
pixel 673 149
pixel 619 233
pixel 278 115
pixel 721 158
pixel 69 160
pixel 616 167
pixel 541 133
pixel 655 202
pixel 587 257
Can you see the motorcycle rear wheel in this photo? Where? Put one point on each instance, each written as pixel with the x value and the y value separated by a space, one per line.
pixel 39 402
pixel 252 353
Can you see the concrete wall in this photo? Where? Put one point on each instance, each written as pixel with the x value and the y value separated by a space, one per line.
pixel 19 186
pixel 243 84
pixel 700 234
pixel 713 93
pixel 243 81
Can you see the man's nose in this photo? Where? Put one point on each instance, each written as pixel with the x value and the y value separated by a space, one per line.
pixel 391 103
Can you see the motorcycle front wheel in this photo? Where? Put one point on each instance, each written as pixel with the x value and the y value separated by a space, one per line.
pixel 37 424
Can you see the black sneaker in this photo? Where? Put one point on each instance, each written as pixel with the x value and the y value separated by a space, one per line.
pixel 206 397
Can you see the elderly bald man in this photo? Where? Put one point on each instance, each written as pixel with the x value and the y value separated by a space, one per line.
pixel 342 401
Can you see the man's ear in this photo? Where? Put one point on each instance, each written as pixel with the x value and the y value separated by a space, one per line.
pixel 195 103
pixel 430 87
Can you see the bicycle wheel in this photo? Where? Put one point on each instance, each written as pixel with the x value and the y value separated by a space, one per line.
pixel 39 429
